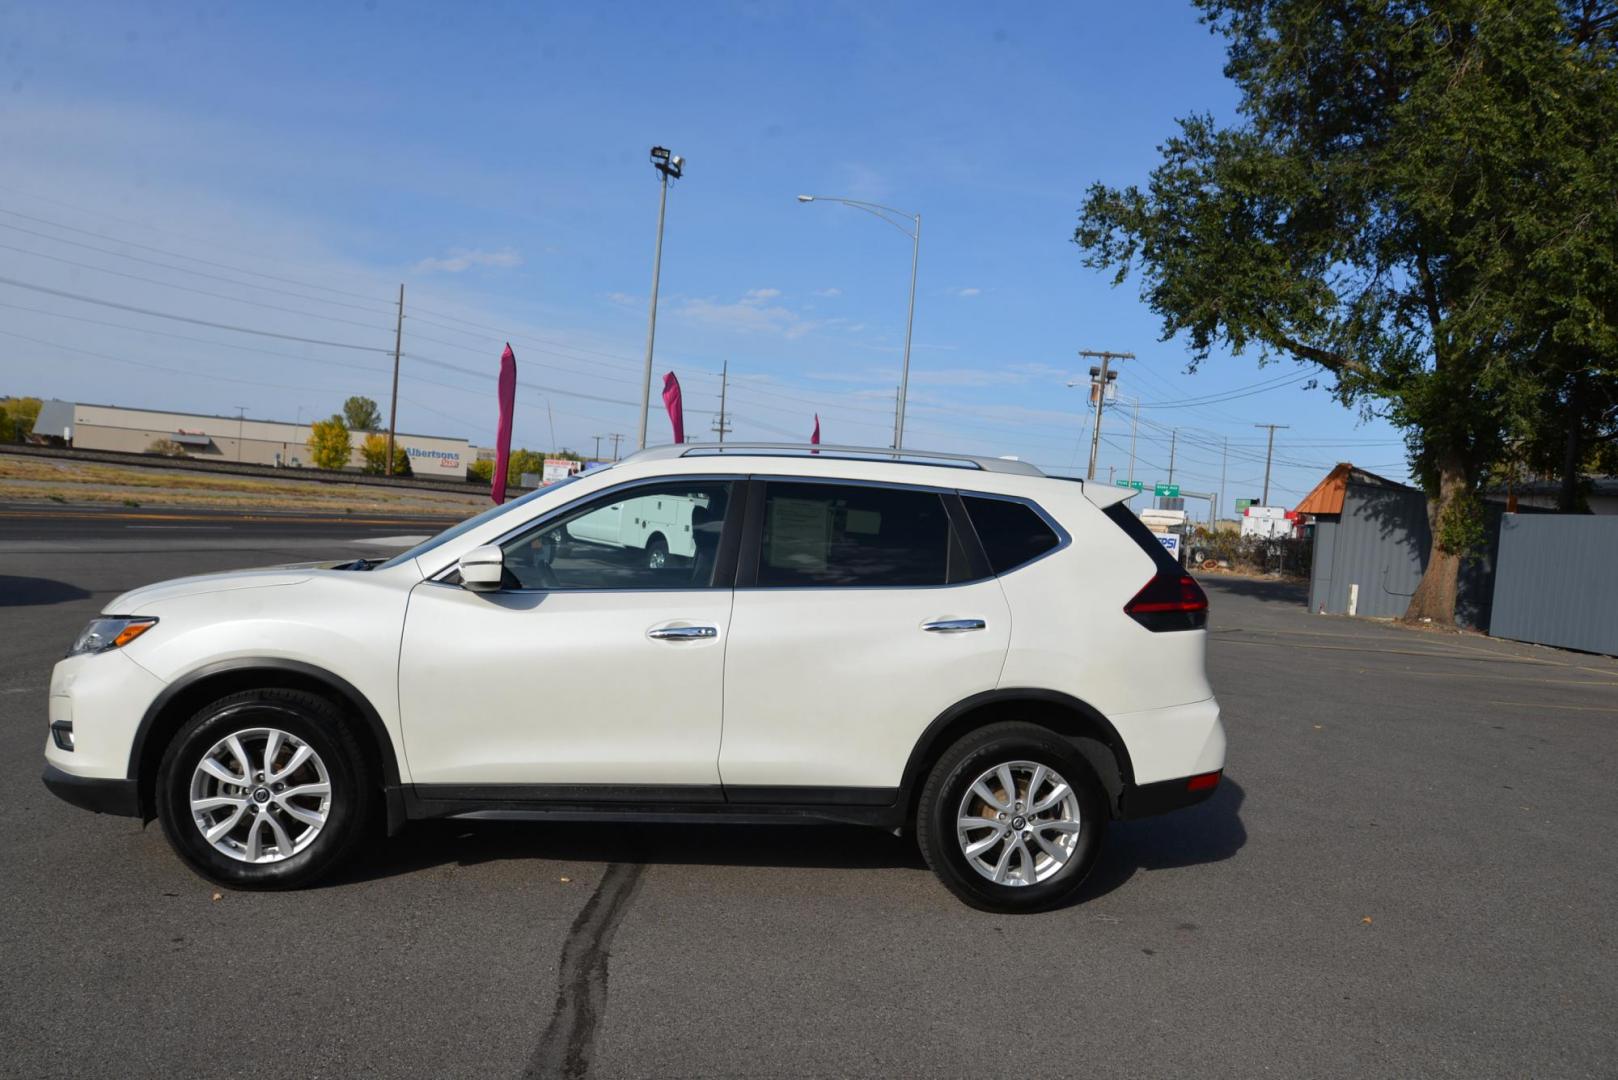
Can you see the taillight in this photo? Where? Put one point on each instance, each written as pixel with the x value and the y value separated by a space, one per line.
pixel 1170 602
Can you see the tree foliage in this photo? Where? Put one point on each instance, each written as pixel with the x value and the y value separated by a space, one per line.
pixel 17 416
pixel 1418 201
pixel 329 443
pixel 375 452
pixel 361 414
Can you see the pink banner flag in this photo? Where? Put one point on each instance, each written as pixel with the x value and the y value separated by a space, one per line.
pixel 502 434
pixel 671 399
pixel 814 436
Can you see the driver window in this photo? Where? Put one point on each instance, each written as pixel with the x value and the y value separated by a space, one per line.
pixel 656 536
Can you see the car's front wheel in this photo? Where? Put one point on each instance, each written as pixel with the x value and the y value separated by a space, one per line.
pixel 1011 818
pixel 265 789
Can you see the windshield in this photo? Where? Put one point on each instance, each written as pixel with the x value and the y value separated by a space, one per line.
pixel 471 523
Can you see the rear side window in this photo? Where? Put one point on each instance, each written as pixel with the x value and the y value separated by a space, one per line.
pixel 1012 533
pixel 856 535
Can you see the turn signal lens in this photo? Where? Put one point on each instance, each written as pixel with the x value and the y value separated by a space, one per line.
pixel 1203 782
pixel 131 632
pixel 1170 602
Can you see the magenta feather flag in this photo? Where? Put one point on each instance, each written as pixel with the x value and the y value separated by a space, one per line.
pixel 671 399
pixel 502 434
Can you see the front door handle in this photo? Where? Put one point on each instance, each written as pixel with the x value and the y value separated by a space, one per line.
pixel 953 626
pixel 682 633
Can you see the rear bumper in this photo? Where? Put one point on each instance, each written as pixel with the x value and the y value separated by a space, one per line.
pixel 1149 800
pixel 104 795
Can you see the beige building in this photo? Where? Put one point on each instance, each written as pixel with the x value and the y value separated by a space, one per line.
pixel 230 438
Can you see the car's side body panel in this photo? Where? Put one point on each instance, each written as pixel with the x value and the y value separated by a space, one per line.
pixel 562 687
pixel 833 686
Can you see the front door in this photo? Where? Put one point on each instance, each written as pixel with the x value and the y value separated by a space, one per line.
pixel 596 665
pixel 863 622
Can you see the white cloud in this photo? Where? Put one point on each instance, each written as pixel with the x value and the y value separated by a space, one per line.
pixel 828 293
pixel 748 315
pixel 623 298
pixel 460 259
pixel 758 296
pixel 969 290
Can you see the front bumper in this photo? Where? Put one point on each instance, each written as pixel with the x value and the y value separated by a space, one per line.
pixel 104 795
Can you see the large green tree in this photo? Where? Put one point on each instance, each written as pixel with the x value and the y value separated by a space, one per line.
pixel 361 414
pixel 1418 199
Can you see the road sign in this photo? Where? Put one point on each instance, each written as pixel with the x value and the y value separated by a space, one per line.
pixel 1243 504
pixel 1166 491
pixel 1134 485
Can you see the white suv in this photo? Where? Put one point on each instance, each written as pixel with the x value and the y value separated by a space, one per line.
pixel 1000 660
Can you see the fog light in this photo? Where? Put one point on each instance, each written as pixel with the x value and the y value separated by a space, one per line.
pixel 62 734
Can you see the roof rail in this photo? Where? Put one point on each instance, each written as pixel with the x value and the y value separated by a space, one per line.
pixel 875 453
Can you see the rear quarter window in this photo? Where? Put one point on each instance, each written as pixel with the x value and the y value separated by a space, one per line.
pixel 1012 533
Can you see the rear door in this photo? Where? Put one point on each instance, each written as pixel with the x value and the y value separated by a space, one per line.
pixel 862 612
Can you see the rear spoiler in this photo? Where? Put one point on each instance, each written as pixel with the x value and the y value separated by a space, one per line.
pixel 1104 497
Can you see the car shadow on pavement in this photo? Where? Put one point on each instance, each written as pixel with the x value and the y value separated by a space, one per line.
pixel 1206 833
pixel 1209 832
pixel 425 844
pixel 33 591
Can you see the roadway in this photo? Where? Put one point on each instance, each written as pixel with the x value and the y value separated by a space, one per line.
pixel 1409 871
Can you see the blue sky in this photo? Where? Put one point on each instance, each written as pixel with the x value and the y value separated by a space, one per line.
pixel 285 167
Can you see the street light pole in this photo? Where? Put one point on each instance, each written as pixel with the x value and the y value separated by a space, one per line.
pixel 887 214
pixel 669 166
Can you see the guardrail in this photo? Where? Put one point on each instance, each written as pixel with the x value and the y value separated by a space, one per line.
pixel 245 468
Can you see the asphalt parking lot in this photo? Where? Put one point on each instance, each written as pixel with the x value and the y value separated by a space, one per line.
pixel 1409 872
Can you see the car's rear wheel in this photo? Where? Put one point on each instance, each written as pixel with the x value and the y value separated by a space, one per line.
pixel 265 789
pixel 1011 818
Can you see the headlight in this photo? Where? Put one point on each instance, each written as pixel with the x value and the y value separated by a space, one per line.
pixel 110 632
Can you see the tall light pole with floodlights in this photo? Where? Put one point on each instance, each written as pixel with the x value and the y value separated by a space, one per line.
pixel 670 166
pixel 892 217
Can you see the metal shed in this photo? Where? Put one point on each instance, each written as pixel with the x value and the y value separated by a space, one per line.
pixel 1373 532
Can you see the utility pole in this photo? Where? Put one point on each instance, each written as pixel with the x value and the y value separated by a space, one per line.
pixel 668 166
pixel 1267 454
pixel 1174 437
pixel 1224 456
pixel 616 438
pixel 393 409
pixel 1100 378
pixel 721 423
pixel 598 439
pixel 1109 476
pixel 241 414
pixel 1134 427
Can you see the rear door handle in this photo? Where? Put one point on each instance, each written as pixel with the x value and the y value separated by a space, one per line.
pixel 682 633
pixel 953 626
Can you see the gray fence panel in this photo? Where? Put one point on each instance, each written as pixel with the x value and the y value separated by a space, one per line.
pixel 1381 546
pixel 1554 582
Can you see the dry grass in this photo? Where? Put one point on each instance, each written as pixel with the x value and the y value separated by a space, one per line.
pixel 38 480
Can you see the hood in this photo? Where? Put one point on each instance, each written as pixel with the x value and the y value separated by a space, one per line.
pixel 136 601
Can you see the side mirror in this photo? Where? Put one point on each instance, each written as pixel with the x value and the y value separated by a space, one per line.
pixel 483 568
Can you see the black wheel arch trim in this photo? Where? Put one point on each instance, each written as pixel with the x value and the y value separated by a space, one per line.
pixel 345 690
pixel 928 747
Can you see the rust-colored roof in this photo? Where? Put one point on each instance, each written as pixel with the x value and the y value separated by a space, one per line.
pixel 1327 497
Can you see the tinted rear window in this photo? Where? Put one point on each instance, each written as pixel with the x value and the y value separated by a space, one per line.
pixel 1011 532
pixel 835 534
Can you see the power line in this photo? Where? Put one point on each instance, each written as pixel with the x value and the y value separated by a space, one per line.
pixel 187 319
pixel 189 289
pixel 179 269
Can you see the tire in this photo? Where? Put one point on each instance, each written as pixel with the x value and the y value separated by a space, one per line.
pixel 1031 754
pixel 288 799
pixel 657 552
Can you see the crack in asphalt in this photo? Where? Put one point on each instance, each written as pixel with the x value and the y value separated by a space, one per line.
pixel 568 1045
